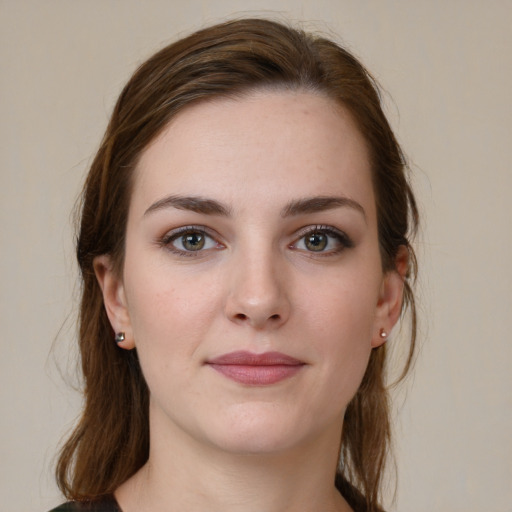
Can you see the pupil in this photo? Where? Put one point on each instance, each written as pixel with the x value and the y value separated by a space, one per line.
pixel 316 242
pixel 193 241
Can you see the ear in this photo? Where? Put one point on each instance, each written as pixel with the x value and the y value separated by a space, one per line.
pixel 391 295
pixel 114 299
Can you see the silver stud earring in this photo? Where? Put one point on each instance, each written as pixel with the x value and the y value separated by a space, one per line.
pixel 383 334
pixel 119 337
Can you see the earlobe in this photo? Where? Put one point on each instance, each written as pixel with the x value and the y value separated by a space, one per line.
pixel 114 300
pixel 391 294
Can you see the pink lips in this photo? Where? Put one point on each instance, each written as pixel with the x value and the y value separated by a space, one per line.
pixel 256 369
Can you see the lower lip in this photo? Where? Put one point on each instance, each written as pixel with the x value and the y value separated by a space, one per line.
pixel 257 375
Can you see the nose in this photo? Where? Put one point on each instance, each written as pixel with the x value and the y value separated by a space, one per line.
pixel 258 294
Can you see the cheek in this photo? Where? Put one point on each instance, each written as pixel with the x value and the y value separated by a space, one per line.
pixel 340 319
pixel 168 321
pixel 344 305
pixel 170 309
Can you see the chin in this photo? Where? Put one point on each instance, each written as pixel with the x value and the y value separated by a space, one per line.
pixel 254 442
pixel 258 431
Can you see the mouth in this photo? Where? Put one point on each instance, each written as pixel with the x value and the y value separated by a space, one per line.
pixel 256 369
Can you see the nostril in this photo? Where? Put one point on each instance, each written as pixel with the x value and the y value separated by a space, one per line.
pixel 244 317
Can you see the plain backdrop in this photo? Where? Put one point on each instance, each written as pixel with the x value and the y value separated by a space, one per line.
pixel 446 68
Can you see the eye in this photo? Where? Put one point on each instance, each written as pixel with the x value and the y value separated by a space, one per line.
pixel 316 241
pixel 322 239
pixel 188 240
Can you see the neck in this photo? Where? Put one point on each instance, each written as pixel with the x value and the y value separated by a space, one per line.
pixel 183 474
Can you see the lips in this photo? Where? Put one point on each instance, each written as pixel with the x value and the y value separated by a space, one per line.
pixel 256 369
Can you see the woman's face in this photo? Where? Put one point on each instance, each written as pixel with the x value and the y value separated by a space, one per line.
pixel 252 286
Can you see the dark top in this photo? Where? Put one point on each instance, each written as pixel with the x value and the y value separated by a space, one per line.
pixel 107 504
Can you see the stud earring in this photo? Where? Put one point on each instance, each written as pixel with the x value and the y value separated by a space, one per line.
pixel 119 337
pixel 383 334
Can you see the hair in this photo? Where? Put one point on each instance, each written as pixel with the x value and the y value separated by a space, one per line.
pixel 111 440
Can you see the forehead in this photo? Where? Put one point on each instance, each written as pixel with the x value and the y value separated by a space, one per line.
pixel 280 145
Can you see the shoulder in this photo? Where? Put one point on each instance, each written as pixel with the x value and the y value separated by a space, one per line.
pixel 106 505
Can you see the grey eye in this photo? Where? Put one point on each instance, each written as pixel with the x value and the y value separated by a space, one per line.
pixel 193 241
pixel 323 239
pixel 316 241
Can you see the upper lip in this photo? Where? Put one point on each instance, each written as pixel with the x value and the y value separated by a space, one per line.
pixel 244 358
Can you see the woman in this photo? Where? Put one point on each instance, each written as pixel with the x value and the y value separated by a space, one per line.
pixel 245 253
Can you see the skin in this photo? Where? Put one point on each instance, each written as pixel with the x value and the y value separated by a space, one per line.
pixel 256 285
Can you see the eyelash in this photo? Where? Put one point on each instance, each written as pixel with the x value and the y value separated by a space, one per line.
pixel 341 238
pixel 169 238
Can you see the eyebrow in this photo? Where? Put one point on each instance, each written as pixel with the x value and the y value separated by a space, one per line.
pixel 320 204
pixel 191 203
pixel 207 206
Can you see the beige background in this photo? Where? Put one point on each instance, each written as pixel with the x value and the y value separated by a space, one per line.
pixel 447 67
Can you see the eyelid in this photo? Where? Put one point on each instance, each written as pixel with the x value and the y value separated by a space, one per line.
pixel 170 236
pixel 343 239
pixel 174 233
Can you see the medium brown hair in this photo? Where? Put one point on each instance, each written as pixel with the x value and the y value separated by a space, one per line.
pixel 111 441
